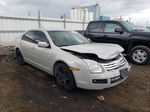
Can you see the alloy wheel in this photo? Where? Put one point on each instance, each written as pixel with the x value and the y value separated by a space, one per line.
pixel 139 55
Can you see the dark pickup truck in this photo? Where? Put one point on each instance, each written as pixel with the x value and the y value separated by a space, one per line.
pixel 135 41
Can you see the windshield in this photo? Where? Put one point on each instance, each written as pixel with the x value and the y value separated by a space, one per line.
pixel 130 26
pixel 143 28
pixel 67 38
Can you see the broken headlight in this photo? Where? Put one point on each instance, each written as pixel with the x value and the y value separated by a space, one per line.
pixel 94 67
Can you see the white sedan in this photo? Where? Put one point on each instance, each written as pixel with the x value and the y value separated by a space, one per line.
pixel 72 59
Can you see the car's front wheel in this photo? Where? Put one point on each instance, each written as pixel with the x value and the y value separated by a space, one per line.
pixel 64 77
pixel 140 55
pixel 19 57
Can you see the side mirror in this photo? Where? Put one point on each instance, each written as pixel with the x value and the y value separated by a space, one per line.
pixel 43 44
pixel 119 30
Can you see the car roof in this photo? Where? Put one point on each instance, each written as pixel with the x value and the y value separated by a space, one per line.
pixel 59 30
pixel 106 21
pixel 42 29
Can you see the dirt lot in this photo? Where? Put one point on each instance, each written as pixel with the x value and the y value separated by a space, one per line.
pixel 27 89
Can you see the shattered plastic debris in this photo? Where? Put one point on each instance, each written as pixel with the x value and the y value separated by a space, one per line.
pixel 53 85
pixel 31 101
pixel 93 106
pixel 64 97
pixel 101 98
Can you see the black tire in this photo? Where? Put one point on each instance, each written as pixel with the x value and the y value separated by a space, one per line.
pixel 19 57
pixel 64 77
pixel 140 55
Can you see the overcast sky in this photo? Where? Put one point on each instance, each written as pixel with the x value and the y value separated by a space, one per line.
pixel 137 10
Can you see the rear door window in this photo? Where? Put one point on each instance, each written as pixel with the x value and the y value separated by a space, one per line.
pixel 96 27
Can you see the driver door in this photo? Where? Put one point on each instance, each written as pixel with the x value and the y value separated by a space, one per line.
pixel 43 56
pixel 115 37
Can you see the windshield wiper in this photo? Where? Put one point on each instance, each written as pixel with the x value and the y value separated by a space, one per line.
pixel 138 30
pixel 75 44
pixel 68 45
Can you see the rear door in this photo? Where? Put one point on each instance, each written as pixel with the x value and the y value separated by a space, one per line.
pixel 26 45
pixel 95 31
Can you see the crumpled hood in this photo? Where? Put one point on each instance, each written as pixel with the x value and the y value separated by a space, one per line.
pixel 103 51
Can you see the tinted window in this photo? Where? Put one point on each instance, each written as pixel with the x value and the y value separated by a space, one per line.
pixel 29 36
pixel 110 27
pixel 96 27
pixel 40 37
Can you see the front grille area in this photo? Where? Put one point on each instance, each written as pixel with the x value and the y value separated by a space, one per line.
pixel 120 61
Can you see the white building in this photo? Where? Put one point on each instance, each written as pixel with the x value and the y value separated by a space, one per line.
pixel 81 14
pixel 91 16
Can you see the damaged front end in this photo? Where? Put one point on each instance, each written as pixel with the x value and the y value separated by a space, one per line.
pixel 84 55
pixel 108 64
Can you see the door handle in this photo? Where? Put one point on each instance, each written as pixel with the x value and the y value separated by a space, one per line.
pixel 91 35
pixel 105 36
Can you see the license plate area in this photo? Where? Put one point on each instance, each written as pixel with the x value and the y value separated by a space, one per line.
pixel 124 73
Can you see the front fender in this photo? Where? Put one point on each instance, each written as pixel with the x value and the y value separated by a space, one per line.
pixel 69 59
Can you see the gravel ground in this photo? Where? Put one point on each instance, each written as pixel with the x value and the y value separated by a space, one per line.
pixel 27 89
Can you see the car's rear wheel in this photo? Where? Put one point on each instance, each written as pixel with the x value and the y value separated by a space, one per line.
pixel 19 57
pixel 140 55
pixel 64 77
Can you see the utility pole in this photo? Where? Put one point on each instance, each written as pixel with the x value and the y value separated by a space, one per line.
pixel 64 21
pixel 29 13
pixel 129 19
pixel 39 19
pixel 84 16
pixel 120 18
pixel 147 23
